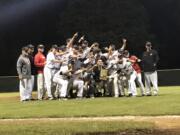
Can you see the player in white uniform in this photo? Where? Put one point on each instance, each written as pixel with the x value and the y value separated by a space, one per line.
pixel 113 67
pixel 78 82
pixel 49 71
pixel 61 78
pixel 130 73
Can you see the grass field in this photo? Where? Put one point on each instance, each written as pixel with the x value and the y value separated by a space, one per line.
pixel 167 103
pixel 72 128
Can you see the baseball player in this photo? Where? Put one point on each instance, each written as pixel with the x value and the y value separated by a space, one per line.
pixel 62 76
pixel 39 62
pixel 130 73
pixel 78 82
pixel 134 60
pixel 49 71
pixel 24 73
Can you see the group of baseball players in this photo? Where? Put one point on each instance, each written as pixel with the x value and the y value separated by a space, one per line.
pixel 79 70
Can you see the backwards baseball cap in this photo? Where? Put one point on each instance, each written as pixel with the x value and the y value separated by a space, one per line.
pixel 30 46
pixel 40 46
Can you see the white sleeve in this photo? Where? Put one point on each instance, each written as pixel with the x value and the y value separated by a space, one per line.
pixel 50 57
pixel 86 61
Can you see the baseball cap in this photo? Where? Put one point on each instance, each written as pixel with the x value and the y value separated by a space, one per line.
pixel 76 47
pixel 40 46
pixel 24 48
pixel 30 46
pixel 148 43
pixel 54 46
pixel 85 42
pixel 62 47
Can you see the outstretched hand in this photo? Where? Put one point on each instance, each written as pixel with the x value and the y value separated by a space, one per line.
pixel 124 40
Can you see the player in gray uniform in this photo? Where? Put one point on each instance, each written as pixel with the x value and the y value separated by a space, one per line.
pixel 24 73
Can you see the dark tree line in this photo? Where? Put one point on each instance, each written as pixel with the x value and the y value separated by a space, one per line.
pixel 104 21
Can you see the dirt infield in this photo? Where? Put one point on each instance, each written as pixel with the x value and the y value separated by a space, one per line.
pixel 161 122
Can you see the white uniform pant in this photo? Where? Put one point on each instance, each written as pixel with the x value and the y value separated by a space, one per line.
pixel 77 83
pixel 25 88
pixel 40 86
pixel 48 76
pixel 115 85
pixel 132 85
pixel 31 86
pixel 62 86
pixel 140 83
pixel 151 77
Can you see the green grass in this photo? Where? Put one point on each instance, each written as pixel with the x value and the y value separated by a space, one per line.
pixel 70 127
pixel 168 103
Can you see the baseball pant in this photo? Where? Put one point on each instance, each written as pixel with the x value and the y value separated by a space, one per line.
pixel 151 77
pixel 132 85
pixel 48 76
pixel 40 86
pixel 62 86
pixel 121 86
pixel 115 86
pixel 140 83
pixel 24 87
pixel 80 85
pixel 31 86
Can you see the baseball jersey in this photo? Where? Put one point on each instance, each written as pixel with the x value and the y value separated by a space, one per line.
pixel 49 61
pixel 39 62
pixel 135 65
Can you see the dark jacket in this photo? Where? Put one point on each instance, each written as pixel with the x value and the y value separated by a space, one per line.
pixel 33 68
pixel 24 67
pixel 150 60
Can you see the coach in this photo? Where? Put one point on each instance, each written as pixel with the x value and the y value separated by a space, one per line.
pixel 24 73
pixel 149 62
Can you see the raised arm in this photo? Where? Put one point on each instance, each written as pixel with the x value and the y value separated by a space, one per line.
pixel 81 39
pixel 70 43
pixel 124 44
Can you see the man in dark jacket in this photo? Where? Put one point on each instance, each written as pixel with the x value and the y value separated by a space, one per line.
pixel 33 68
pixel 149 62
pixel 24 73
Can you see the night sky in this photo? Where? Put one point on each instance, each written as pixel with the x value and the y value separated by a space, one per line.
pixel 34 21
